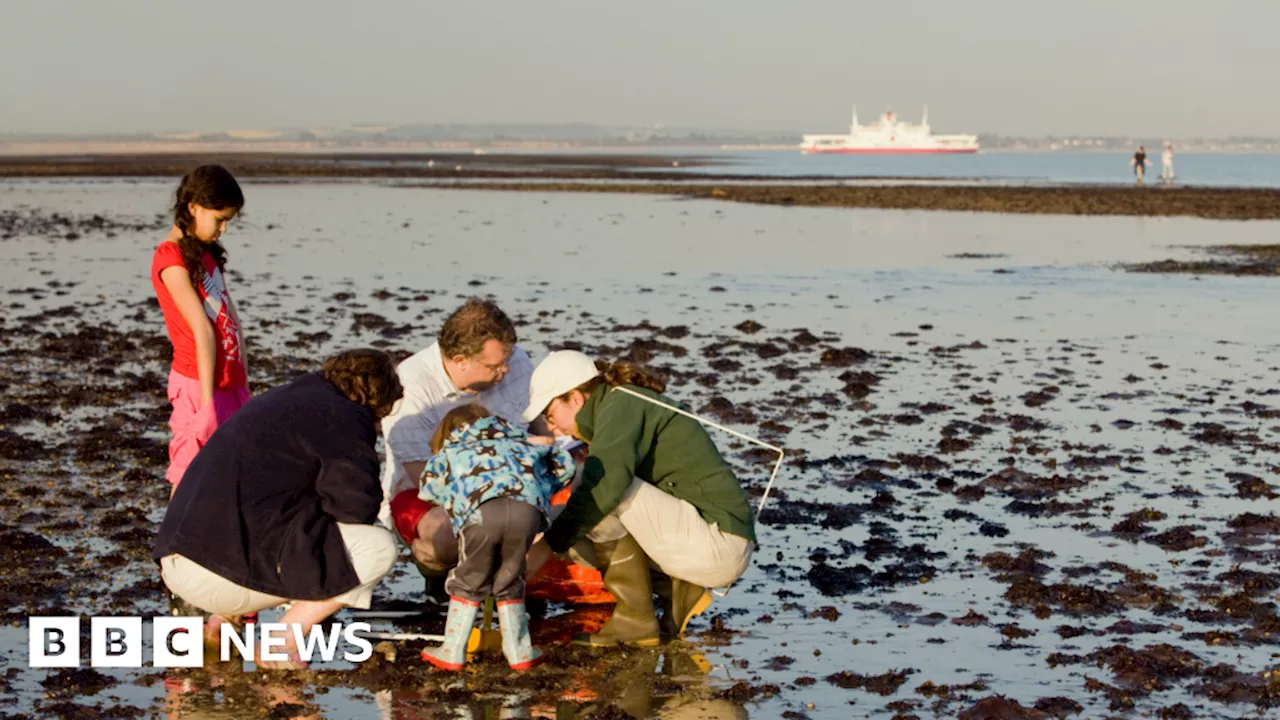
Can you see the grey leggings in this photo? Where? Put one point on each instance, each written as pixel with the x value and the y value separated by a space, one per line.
pixel 491 551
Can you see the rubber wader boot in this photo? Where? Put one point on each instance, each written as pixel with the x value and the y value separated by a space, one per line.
pixel 434 594
pixel 681 601
pixel 626 575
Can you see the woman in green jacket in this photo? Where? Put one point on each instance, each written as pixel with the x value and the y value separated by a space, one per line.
pixel 653 488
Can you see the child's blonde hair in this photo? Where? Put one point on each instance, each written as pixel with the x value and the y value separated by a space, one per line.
pixel 454 419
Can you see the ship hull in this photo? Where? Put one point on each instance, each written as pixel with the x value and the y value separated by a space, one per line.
pixel 891 136
pixel 889 151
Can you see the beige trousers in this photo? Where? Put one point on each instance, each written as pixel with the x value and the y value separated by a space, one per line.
pixel 674 535
pixel 370 548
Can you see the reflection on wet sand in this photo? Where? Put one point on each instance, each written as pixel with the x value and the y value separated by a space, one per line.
pixel 670 682
pixel 664 683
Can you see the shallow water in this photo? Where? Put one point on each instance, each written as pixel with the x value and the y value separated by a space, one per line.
pixel 1049 309
pixel 1106 168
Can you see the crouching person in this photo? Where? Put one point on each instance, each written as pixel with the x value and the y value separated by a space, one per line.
pixel 281 504
pixel 654 491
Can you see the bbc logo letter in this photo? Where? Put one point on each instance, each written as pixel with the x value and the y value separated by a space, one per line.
pixel 177 642
pixel 54 642
pixel 115 642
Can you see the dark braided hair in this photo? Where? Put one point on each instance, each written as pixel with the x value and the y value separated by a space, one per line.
pixel 213 187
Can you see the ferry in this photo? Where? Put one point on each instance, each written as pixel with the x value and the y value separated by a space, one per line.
pixel 891 135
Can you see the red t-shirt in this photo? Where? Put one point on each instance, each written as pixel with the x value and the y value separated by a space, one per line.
pixel 229 366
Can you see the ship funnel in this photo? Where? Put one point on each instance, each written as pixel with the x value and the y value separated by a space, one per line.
pixel 924 119
pixel 853 126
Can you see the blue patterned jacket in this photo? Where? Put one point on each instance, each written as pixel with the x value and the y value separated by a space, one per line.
pixel 489 459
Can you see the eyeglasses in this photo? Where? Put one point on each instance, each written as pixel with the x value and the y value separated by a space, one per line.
pixel 495 369
pixel 546 412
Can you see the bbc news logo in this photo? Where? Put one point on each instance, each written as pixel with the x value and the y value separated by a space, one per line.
pixel 178 642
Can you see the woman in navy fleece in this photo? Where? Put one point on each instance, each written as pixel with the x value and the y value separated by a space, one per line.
pixel 281 504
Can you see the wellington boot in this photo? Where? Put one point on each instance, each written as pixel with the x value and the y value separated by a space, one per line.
pixel 516 644
pixel 452 653
pixel 680 601
pixel 626 575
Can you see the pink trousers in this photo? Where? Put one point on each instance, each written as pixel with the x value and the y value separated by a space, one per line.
pixel 193 425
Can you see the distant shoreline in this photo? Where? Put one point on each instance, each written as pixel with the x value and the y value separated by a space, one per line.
pixel 177 147
pixel 75 148
pixel 666 174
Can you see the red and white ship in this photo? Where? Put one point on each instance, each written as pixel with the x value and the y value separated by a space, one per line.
pixel 890 136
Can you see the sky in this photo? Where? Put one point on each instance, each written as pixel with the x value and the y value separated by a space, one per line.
pixel 1173 68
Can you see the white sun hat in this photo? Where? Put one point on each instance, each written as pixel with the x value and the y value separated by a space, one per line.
pixel 557 374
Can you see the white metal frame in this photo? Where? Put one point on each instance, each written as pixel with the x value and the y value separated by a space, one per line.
pixel 772 476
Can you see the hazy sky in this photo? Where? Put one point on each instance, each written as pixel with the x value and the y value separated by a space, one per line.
pixel 1154 67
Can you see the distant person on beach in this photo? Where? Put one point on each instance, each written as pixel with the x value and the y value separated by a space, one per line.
pixel 496 482
pixel 1139 163
pixel 281 505
pixel 474 360
pixel 654 489
pixel 208 377
pixel 1166 163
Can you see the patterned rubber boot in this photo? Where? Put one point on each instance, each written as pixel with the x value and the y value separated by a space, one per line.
pixel 452 653
pixel 516 644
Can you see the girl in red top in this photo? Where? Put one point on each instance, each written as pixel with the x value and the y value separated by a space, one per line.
pixel 207 382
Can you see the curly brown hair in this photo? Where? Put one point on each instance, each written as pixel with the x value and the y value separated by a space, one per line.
pixel 458 417
pixel 622 372
pixel 467 329
pixel 213 187
pixel 366 377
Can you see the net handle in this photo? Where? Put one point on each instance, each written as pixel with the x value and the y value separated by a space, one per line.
pixel 772 476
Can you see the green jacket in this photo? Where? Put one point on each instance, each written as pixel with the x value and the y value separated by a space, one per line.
pixel 629 438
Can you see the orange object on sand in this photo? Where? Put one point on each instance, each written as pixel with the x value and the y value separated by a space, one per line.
pixel 561 581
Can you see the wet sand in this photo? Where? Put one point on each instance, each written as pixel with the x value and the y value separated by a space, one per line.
pixel 1239 260
pixel 1212 203
pixel 1011 470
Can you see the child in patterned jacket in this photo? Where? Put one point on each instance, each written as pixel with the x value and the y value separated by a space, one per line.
pixel 495 481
